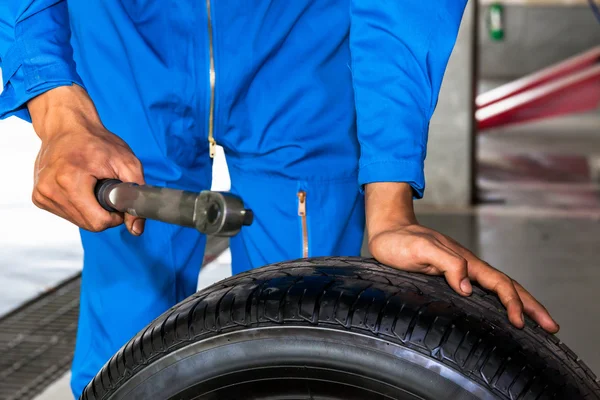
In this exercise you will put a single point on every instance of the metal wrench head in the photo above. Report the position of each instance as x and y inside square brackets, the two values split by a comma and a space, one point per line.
[220, 214]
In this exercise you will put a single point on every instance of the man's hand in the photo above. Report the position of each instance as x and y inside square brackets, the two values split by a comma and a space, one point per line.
[396, 239]
[77, 151]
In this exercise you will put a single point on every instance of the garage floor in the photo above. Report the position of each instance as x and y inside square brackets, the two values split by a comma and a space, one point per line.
[545, 234]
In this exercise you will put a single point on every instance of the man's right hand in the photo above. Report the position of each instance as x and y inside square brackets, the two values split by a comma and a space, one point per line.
[76, 152]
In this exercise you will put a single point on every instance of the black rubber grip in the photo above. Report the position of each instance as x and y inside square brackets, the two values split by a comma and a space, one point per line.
[101, 191]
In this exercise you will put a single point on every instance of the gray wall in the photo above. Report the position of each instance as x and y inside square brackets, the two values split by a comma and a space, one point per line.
[448, 168]
[535, 37]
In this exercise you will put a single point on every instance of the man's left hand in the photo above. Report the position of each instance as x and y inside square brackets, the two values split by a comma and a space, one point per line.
[396, 239]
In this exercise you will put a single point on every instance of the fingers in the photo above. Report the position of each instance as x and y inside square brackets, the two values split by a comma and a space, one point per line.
[422, 252]
[510, 292]
[536, 310]
[48, 204]
[510, 298]
[514, 297]
[451, 264]
[76, 199]
[84, 203]
[135, 225]
[77, 209]
[130, 170]
[494, 280]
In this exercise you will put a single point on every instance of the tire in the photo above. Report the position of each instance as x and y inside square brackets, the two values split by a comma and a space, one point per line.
[340, 328]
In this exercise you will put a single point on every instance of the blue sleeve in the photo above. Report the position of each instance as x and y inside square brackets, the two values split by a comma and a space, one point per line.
[400, 51]
[35, 53]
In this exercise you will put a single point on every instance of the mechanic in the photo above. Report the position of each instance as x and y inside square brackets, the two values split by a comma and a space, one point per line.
[322, 108]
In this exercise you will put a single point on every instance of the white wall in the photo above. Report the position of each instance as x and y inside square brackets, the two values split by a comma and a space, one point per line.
[37, 249]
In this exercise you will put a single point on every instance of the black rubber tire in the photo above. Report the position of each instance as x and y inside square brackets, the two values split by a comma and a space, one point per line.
[340, 328]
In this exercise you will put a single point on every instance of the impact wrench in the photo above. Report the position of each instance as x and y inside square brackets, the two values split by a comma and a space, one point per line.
[212, 213]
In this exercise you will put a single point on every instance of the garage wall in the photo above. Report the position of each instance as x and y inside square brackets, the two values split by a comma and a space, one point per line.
[448, 167]
[536, 36]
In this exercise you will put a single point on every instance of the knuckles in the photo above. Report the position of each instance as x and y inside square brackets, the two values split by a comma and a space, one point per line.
[133, 163]
[43, 189]
[99, 226]
[420, 247]
[506, 281]
[38, 200]
[460, 264]
[64, 178]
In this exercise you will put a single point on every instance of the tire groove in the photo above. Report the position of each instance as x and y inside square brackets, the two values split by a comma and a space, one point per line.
[204, 326]
[231, 309]
[354, 303]
[515, 379]
[413, 322]
[299, 306]
[396, 321]
[317, 307]
[500, 371]
[366, 316]
[447, 332]
[284, 298]
[248, 304]
[336, 308]
[382, 310]
[218, 309]
[462, 340]
[475, 346]
[190, 316]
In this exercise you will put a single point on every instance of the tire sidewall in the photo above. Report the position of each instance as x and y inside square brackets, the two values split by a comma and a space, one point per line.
[398, 368]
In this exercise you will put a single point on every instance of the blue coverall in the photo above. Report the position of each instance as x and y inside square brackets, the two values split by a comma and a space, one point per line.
[319, 96]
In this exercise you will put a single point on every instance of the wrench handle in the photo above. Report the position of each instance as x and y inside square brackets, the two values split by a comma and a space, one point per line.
[212, 213]
[162, 204]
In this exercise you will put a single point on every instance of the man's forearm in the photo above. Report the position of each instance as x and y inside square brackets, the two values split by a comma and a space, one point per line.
[388, 205]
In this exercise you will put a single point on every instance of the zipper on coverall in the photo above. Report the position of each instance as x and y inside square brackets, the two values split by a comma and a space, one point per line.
[212, 74]
[302, 214]
[211, 126]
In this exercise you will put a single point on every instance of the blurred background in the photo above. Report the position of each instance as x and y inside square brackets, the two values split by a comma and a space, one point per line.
[513, 172]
